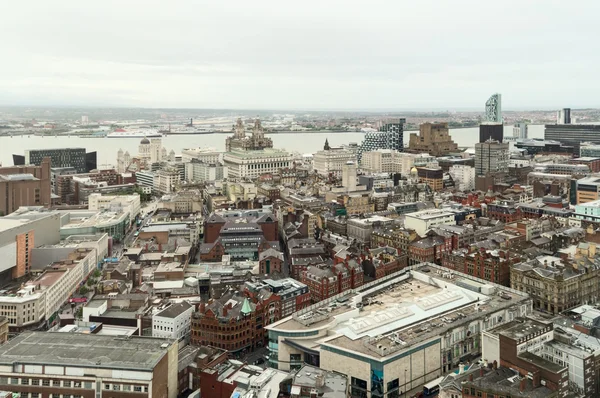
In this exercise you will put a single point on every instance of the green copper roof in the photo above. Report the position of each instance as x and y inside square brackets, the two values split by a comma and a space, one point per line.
[246, 307]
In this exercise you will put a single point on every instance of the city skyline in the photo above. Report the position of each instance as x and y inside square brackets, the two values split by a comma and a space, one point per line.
[267, 56]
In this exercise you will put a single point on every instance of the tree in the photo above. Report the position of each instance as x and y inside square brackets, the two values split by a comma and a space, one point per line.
[83, 290]
[97, 273]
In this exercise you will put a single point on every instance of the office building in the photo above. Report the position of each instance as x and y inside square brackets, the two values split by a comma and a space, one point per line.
[254, 163]
[394, 346]
[47, 364]
[389, 136]
[589, 150]
[422, 221]
[379, 161]
[463, 176]
[556, 285]
[25, 186]
[491, 131]
[199, 171]
[205, 155]
[433, 139]
[520, 131]
[330, 161]
[166, 180]
[60, 157]
[491, 157]
[573, 134]
[240, 142]
[434, 178]
[563, 116]
[535, 146]
[173, 322]
[349, 176]
[593, 163]
[125, 203]
[294, 294]
[493, 109]
[588, 189]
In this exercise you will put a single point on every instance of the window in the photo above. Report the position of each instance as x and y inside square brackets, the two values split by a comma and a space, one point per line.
[3, 380]
[14, 381]
[145, 388]
[107, 386]
[116, 387]
[55, 383]
[35, 395]
[137, 388]
[25, 382]
[86, 384]
[67, 383]
[126, 387]
[35, 382]
[46, 383]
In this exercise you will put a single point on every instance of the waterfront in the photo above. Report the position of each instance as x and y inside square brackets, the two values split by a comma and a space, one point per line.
[297, 142]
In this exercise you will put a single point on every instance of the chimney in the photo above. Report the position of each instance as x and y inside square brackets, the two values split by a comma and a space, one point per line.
[471, 377]
[202, 307]
[536, 379]
[523, 384]
[225, 311]
[481, 372]
[495, 365]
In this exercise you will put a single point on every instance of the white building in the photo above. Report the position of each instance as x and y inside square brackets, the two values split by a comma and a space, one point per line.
[404, 162]
[145, 179]
[349, 176]
[173, 322]
[463, 176]
[206, 155]
[379, 161]
[198, 171]
[252, 164]
[332, 160]
[424, 220]
[129, 203]
[165, 181]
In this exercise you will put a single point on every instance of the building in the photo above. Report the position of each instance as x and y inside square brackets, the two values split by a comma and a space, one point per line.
[432, 177]
[593, 163]
[488, 265]
[25, 186]
[331, 161]
[271, 260]
[491, 157]
[294, 294]
[310, 381]
[433, 139]
[379, 161]
[535, 146]
[389, 136]
[199, 171]
[463, 176]
[59, 157]
[361, 229]
[240, 142]
[491, 131]
[493, 109]
[349, 172]
[202, 155]
[393, 346]
[587, 189]
[563, 116]
[589, 150]
[129, 203]
[520, 131]
[19, 235]
[183, 202]
[166, 180]
[47, 364]
[326, 281]
[520, 345]
[173, 322]
[573, 134]
[424, 220]
[556, 285]
[254, 163]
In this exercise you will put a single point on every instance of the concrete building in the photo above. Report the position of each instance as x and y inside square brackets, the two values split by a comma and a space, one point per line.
[491, 131]
[573, 134]
[46, 364]
[60, 157]
[202, 155]
[491, 157]
[331, 161]
[463, 176]
[173, 322]
[563, 116]
[25, 186]
[434, 178]
[520, 131]
[404, 162]
[589, 150]
[239, 140]
[379, 161]
[166, 180]
[145, 179]
[434, 139]
[389, 136]
[349, 176]
[361, 229]
[393, 346]
[252, 164]
[198, 171]
[424, 220]
[588, 189]
[128, 203]
[555, 285]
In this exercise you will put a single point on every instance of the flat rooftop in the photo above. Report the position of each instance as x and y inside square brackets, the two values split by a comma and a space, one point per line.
[396, 313]
[84, 350]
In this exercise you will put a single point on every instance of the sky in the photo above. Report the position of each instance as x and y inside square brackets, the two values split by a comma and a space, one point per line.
[327, 54]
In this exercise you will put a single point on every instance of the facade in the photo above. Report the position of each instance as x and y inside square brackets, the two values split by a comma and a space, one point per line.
[573, 134]
[491, 131]
[327, 281]
[173, 322]
[383, 348]
[593, 163]
[202, 155]
[424, 220]
[330, 161]
[361, 229]
[198, 171]
[463, 176]
[240, 142]
[254, 163]
[379, 161]
[520, 131]
[493, 109]
[389, 136]
[589, 150]
[166, 180]
[488, 265]
[294, 294]
[60, 157]
[432, 177]
[25, 186]
[145, 179]
[405, 162]
[535, 146]
[53, 364]
[271, 260]
[555, 286]
[491, 157]
[130, 203]
[433, 139]
[588, 189]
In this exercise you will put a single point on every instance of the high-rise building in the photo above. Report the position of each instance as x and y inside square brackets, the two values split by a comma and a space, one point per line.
[433, 139]
[520, 131]
[349, 176]
[239, 141]
[60, 157]
[573, 134]
[563, 116]
[493, 109]
[389, 136]
[24, 186]
[491, 131]
[491, 157]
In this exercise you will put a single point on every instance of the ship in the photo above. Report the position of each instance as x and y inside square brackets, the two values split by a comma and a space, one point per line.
[188, 130]
[121, 133]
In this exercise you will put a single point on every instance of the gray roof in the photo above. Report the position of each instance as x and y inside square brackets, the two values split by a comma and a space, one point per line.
[174, 310]
[84, 350]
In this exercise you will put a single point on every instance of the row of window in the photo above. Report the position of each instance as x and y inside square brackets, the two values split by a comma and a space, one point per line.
[69, 384]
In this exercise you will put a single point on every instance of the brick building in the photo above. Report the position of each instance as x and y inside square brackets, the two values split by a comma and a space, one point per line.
[329, 280]
[25, 186]
[489, 265]
[271, 260]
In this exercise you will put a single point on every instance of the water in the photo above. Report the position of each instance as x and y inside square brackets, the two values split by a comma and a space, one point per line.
[299, 142]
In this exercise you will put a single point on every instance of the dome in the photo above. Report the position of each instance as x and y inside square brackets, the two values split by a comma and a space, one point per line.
[414, 170]
[145, 140]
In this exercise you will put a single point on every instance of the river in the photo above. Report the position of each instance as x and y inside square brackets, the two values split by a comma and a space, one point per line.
[299, 142]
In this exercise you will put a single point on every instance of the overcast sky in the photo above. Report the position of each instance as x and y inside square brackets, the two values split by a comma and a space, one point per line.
[396, 54]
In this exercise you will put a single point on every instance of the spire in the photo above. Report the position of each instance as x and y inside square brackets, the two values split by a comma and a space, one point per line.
[326, 146]
[246, 307]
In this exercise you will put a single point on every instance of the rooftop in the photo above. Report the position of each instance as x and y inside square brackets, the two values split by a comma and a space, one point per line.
[174, 310]
[84, 350]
